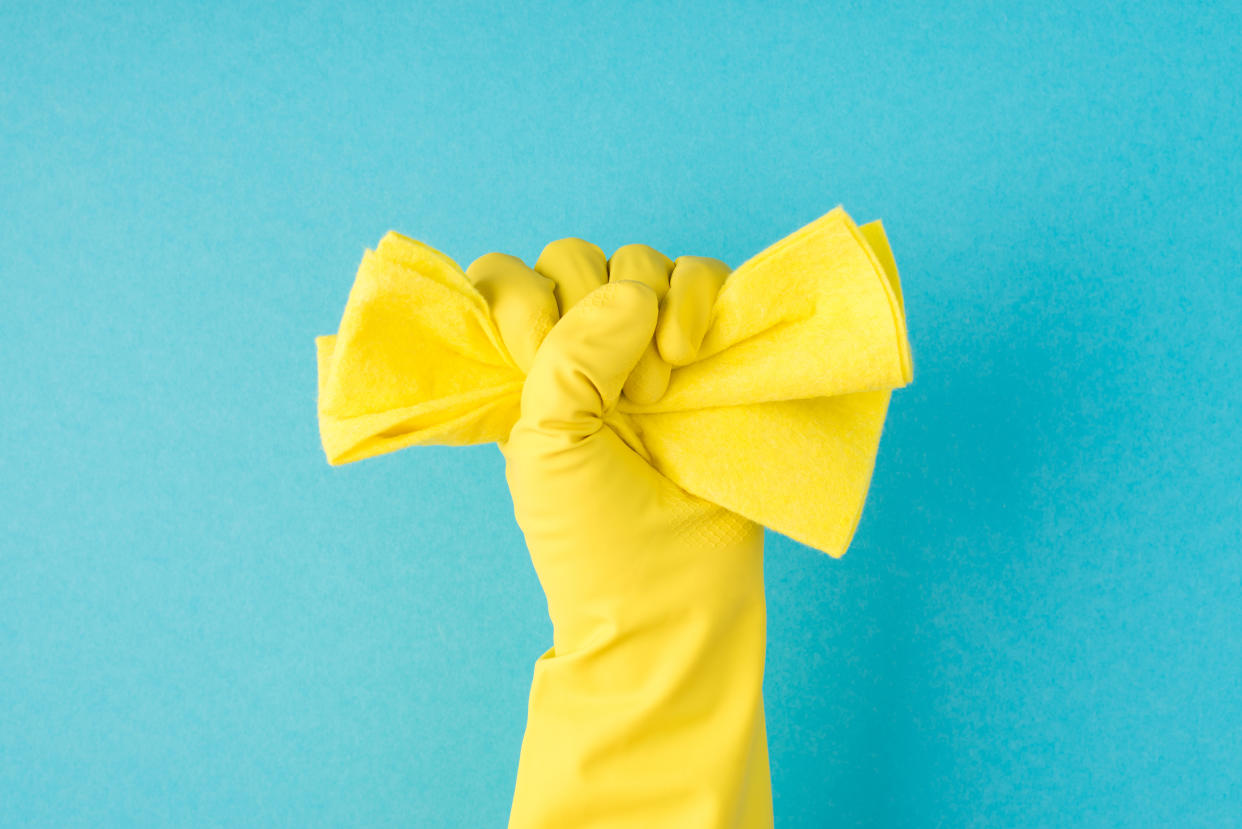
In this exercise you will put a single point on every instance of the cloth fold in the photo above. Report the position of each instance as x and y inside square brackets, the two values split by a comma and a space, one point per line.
[778, 418]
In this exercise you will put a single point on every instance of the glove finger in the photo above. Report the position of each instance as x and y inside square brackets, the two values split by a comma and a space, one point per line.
[579, 370]
[686, 311]
[641, 263]
[576, 266]
[649, 379]
[522, 303]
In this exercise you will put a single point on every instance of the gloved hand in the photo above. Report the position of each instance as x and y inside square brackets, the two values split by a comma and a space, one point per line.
[647, 710]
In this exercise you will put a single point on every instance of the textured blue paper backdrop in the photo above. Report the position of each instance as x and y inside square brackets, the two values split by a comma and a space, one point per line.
[202, 624]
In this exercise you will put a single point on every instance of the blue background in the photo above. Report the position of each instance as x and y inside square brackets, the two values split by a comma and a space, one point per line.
[203, 624]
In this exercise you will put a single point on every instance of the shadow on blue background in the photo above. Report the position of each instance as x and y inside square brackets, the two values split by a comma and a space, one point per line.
[202, 624]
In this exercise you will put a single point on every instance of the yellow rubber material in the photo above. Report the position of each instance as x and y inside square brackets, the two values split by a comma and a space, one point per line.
[647, 711]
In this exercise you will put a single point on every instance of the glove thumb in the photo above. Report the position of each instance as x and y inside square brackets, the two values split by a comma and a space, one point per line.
[581, 366]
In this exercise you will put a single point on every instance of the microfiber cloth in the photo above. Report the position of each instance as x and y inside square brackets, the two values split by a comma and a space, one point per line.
[778, 418]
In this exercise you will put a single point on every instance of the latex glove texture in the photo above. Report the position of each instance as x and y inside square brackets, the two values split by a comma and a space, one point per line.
[647, 710]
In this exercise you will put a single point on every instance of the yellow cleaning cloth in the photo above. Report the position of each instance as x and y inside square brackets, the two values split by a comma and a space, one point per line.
[777, 418]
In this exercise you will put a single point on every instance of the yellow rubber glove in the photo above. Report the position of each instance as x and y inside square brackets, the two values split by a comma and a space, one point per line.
[647, 710]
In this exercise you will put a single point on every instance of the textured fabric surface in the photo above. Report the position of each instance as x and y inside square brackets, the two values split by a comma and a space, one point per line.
[778, 416]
